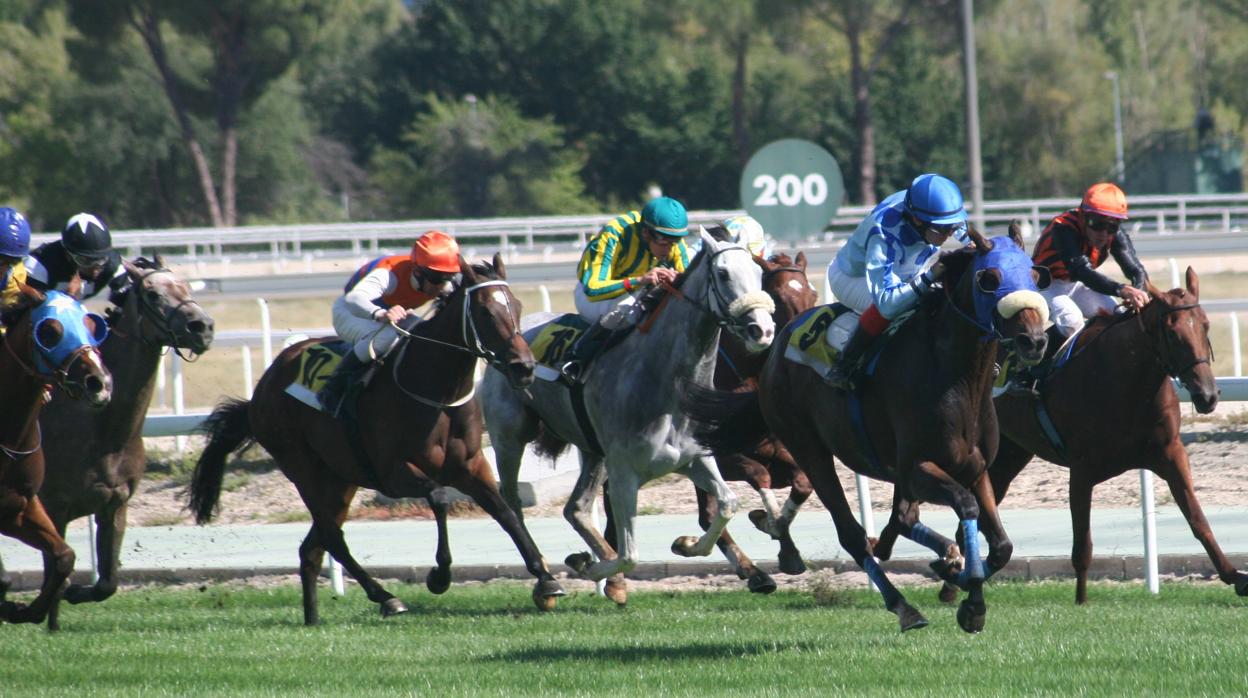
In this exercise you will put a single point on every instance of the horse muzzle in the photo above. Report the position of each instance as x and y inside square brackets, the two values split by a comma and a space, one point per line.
[1030, 349]
[1204, 397]
[758, 332]
[519, 373]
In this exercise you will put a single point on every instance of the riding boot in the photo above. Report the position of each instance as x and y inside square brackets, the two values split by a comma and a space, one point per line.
[335, 388]
[587, 346]
[843, 372]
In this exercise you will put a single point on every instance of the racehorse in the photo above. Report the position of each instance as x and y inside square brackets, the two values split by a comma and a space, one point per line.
[417, 426]
[48, 340]
[1114, 409]
[628, 425]
[96, 458]
[769, 465]
[923, 420]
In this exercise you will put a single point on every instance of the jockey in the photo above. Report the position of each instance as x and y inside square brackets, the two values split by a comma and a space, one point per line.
[384, 292]
[630, 254]
[14, 246]
[879, 272]
[1072, 247]
[747, 232]
[85, 249]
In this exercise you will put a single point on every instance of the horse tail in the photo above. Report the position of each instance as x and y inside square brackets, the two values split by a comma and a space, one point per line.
[549, 444]
[229, 431]
[726, 422]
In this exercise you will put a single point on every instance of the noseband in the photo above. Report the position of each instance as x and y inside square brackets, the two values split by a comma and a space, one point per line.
[729, 314]
[162, 321]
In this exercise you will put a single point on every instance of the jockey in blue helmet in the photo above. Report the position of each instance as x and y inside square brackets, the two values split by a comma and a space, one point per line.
[14, 246]
[879, 273]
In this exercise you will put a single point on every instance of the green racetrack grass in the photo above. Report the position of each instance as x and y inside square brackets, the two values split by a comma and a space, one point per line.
[489, 639]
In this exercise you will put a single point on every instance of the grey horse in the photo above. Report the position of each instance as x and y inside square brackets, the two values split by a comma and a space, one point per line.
[631, 406]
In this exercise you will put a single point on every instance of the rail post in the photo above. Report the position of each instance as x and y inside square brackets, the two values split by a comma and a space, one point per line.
[1148, 508]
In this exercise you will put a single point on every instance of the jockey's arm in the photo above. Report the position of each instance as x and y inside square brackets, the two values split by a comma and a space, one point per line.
[1066, 242]
[893, 295]
[1123, 251]
[364, 297]
[596, 272]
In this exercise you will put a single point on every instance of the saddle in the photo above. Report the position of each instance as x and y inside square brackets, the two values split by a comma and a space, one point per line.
[316, 364]
[822, 332]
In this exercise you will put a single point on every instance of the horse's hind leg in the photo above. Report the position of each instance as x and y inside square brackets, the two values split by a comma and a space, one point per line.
[757, 580]
[929, 482]
[34, 528]
[1081, 529]
[477, 481]
[790, 557]
[578, 512]
[1173, 467]
[439, 578]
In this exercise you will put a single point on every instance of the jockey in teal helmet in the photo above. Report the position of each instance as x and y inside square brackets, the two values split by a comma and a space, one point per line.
[879, 273]
[630, 254]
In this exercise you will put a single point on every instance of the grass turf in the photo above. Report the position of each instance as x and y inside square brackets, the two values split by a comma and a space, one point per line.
[488, 639]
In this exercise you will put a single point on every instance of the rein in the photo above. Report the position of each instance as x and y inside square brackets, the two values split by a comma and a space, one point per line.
[727, 314]
[59, 377]
[1165, 340]
[163, 321]
[991, 331]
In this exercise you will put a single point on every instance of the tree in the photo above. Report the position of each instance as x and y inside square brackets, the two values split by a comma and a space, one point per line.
[248, 44]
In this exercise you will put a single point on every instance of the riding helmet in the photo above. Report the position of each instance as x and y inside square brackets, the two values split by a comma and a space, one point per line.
[437, 251]
[935, 199]
[87, 236]
[747, 232]
[666, 216]
[1106, 199]
[14, 233]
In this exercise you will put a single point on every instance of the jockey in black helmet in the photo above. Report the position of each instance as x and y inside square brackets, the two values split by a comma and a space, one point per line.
[85, 248]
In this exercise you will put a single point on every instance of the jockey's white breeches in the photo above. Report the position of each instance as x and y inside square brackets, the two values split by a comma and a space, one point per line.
[613, 313]
[850, 290]
[1070, 303]
[363, 332]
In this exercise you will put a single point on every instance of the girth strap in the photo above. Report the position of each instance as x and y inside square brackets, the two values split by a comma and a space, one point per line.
[577, 393]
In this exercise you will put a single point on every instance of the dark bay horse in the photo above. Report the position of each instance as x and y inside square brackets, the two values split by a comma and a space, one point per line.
[1115, 409]
[48, 340]
[418, 427]
[769, 466]
[926, 412]
[95, 457]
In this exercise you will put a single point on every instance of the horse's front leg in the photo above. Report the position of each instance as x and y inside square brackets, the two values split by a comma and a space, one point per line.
[623, 495]
[579, 513]
[34, 528]
[930, 482]
[1000, 547]
[439, 578]
[706, 477]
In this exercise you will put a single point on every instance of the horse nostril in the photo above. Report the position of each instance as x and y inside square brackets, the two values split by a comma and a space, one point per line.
[755, 332]
[94, 385]
[196, 326]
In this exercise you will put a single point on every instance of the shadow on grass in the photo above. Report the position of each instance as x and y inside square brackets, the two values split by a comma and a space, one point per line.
[651, 653]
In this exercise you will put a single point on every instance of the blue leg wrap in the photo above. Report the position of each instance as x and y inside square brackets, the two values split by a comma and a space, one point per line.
[876, 574]
[974, 566]
[928, 538]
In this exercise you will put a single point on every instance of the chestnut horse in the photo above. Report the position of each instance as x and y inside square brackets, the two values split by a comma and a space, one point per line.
[926, 411]
[1114, 409]
[769, 466]
[418, 426]
[48, 340]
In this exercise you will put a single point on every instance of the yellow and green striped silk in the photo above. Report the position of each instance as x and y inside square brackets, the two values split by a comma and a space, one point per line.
[617, 253]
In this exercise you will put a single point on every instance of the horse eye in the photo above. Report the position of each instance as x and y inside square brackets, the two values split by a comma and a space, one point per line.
[723, 273]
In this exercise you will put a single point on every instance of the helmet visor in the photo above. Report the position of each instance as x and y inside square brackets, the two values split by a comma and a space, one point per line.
[83, 261]
[1103, 223]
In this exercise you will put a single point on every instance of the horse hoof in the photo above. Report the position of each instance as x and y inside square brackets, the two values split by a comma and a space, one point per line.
[909, 618]
[758, 517]
[546, 594]
[1241, 586]
[761, 583]
[791, 563]
[948, 593]
[5, 585]
[438, 580]
[684, 545]
[617, 591]
[392, 607]
[579, 562]
[11, 612]
[971, 616]
[78, 593]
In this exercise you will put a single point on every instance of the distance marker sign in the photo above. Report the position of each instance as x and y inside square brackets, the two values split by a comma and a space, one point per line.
[793, 187]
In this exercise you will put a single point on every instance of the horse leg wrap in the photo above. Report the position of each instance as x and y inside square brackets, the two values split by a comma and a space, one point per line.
[974, 566]
[876, 574]
[928, 538]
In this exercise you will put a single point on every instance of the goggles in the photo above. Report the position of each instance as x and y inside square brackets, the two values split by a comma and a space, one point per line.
[1102, 223]
[84, 262]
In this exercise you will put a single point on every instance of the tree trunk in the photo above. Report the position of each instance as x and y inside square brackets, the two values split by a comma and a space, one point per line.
[148, 27]
[860, 83]
[740, 129]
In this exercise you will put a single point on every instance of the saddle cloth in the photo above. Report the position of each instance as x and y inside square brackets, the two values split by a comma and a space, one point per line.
[553, 342]
[819, 335]
[316, 364]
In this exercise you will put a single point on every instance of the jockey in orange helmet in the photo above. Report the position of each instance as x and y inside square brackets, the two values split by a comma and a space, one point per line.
[382, 293]
[1072, 247]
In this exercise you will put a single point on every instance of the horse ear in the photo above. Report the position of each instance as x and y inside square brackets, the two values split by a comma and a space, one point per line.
[1016, 233]
[466, 270]
[498, 265]
[982, 245]
[75, 286]
[1193, 283]
[708, 241]
[1153, 292]
[131, 268]
[1042, 276]
[800, 262]
[159, 260]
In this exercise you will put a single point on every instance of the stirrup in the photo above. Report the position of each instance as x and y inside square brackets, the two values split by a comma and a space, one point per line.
[840, 379]
[1027, 389]
[572, 370]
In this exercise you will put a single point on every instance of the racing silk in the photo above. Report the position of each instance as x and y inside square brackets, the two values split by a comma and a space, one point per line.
[1065, 249]
[615, 260]
[49, 268]
[11, 277]
[889, 253]
[382, 283]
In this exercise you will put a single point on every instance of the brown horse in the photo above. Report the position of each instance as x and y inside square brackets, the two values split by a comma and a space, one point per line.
[769, 466]
[96, 458]
[926, 412]
[48, 340]
[1114, 409]
[417, 426]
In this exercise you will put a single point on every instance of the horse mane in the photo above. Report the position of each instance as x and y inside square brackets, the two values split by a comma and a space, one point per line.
[781, 259]
[1097, 325]
[956, 263]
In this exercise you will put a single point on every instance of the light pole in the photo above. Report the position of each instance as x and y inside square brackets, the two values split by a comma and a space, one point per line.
[975, 163]
[1112, 75]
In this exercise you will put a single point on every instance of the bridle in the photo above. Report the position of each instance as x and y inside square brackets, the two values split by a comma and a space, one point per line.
[729, 314]
[1164, 353]
[991, 330]
[162, 321]
[472, 343]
